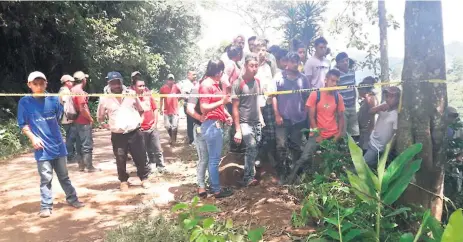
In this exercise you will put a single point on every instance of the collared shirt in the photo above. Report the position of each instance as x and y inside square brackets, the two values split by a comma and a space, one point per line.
[62, 99]
[208, 87]
[123, 115]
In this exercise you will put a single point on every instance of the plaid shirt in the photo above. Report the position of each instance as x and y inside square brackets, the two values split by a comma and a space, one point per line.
[268, 132]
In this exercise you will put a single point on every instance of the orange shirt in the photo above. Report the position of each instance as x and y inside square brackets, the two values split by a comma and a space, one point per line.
[170, 103]
[326, 112]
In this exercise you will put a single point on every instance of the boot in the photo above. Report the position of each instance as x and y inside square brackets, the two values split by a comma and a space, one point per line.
[81, 165]
[88, 160]
[174, 136]
[169, 131]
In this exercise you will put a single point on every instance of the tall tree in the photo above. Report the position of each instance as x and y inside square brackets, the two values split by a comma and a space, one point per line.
[422, 118]
[383, 47]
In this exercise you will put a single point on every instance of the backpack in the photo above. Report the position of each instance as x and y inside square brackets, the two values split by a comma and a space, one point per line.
[69, 109]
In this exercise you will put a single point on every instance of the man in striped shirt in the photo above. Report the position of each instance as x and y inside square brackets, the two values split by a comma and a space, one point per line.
[349, 96]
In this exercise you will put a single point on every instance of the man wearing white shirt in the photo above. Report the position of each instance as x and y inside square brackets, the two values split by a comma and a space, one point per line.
[185, 87]
[317, 66]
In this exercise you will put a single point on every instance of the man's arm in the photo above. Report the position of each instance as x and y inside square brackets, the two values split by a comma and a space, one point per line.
[342, 122]
[161, 102]
[101, 111]
[236, 114]
[278, 118]
[379, 108]
[190, 110]
[24, 126]
[308, 72]
[83, 108]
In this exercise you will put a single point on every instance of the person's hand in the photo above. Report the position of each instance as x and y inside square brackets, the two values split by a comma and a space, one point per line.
[37, 143]
[161, 112]
[226, 99]
[202, 119]
[384, 107]
[105, 125]
[229, 120]
[238, 137]
[337, 137]
[262, 123]
[278, 119]
[318, 139]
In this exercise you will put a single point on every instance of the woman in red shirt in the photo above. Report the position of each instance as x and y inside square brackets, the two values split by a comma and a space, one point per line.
[213, 109]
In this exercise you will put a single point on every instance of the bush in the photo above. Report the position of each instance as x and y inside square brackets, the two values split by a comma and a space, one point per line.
[157, 229]
[12, 141]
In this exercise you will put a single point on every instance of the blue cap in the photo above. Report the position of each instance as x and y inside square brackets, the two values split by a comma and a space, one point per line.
[113, 75]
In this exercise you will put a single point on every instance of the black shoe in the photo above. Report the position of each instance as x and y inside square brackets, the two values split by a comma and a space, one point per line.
[77, 204]
[225, 192]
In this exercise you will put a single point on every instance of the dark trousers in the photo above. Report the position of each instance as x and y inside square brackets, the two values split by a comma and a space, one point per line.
[189, 127]
[121, 143]
[153, 147]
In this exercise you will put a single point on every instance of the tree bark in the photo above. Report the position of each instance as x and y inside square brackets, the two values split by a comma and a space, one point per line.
[384, 58]
[422, 118]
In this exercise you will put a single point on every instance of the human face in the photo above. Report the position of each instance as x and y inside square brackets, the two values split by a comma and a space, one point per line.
[251, 67]
[140, 87]
[301, 53]
[192, 76]
[239, 41]
[69, 84]
[38, 85]
[391, 99]
[252, 45]
[291, 66]
[331, 81]
[343, 64]
[320, 50]
[261, 52]
[282, 63]
[170, 82]
[115, 85]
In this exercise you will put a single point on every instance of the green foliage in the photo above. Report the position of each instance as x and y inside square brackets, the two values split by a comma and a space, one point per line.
[157, 229]
[453, 231]
[206, 229]
[12, 141]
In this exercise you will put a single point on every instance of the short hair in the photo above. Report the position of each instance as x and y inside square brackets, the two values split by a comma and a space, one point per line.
[293, 57]
[333, 72]
[261, 42]
[234, 51]
[320, 40]
[135, 80]
[281, 53]
[252, 38]
[251, 57]
[274, 49]
[341, 56]
[369, 80]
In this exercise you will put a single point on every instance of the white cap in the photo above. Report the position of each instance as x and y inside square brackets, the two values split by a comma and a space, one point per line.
[66, 78]
[35, 75]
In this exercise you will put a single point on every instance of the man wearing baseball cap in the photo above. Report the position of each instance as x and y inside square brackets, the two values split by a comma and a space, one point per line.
[123, 114]
[84, 122]
[67, 82]
[385, 126]
[170, 110]
[38, 118]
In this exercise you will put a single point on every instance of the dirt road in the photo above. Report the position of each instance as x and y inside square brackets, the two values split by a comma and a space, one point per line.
[106, 207]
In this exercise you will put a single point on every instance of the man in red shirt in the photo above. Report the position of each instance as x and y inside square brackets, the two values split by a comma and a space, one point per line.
[170, 107]
[83, 123]
[148, 126]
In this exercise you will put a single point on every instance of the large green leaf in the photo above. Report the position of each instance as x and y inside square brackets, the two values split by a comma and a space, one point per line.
[424, 224]
[399, 185]
[408, 237]
[179, 206]
[194, 201]
[436, 228]
[207, 208]
[397, 165]
[398, 211]
[382, 163]
[256, 235]
[454, 230]
[361, 167]
[208, 223]
[195, 234]
[360, 188]
[352, 234]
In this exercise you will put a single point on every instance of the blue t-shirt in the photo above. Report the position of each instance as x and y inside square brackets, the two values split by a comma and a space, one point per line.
[43, 115]
[292, 106]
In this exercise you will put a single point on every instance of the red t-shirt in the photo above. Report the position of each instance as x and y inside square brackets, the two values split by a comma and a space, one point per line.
[78, 102]
[170, 103]
[149, 105]
[207, 87]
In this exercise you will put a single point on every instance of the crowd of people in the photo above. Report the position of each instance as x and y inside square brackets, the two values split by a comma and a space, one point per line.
[266, 128]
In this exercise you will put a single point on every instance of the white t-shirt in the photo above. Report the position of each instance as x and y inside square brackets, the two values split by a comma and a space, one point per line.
[316, 69]
[186, 86]
[264, 74]
[385, 127]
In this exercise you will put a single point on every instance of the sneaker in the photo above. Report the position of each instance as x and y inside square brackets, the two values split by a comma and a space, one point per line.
[93, 169]
[124, 186]
[225, 192]
[81, 167]
[161, 169]
[257, 164]
[145, 184]
[77, 204]
[45, 213]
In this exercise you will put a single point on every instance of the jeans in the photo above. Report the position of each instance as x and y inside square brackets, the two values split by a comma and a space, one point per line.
[372, 155]
[71, 141]
[171, 121]
[351, 123]
[203, 156]
[45, 169]
[83, 133]
[309, 148]
[252, 135]
[189, 127]
[288, 138]
[212, 131]
[153, 147]
[121, 144]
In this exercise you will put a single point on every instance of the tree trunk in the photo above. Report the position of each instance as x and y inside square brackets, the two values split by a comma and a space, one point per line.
[422, 118]
[384, 58]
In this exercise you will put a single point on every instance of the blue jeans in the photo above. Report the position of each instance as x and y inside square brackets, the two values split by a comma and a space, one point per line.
[45, 169]
[212, 131]
[71, 141]
[203, 156]
[288, 139]
[372, 155]
[83, 133]
[252, 135]
[171, 121]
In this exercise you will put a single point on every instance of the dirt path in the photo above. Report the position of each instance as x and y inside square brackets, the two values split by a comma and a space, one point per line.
[264, 205]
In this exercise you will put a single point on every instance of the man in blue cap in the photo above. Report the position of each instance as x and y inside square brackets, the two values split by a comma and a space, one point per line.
[124, 122]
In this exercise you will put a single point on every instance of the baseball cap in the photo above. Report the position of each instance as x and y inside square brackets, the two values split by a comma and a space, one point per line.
[171, 76]
[114, 75]
[135, 73]
[36, 75]
[392, 90]
[66, 78]
[80, 75]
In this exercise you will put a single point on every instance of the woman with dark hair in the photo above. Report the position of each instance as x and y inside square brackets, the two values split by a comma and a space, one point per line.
[366, 119]
[215, 115]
